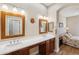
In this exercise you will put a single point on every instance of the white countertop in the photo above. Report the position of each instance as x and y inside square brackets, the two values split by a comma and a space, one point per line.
[23, 42]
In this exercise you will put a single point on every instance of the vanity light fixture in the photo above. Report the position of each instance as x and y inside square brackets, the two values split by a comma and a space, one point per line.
[15, 9]
[44, 17]
[40, 17]
[23, 12]
[49, 19]
[4, 7]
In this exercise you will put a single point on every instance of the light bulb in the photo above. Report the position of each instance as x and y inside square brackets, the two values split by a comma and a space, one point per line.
[4, 6]
[23, 12]
[40, 17]
[15, 9]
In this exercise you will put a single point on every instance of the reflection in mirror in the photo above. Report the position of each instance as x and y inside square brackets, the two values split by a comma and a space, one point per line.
[13, 25]
[42, 26]
[51, 26]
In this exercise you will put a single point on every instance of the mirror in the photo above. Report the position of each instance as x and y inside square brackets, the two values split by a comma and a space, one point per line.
[13, 25]
[42, 26]
[51, 26]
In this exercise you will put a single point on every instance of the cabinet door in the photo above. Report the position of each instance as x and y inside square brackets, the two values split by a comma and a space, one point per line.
[13, 53]
[48, 47]
[24, 51]
[52, 45]
[44, 48]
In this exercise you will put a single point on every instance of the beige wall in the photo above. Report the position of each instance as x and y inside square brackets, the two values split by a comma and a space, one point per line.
[73, 24]
[0, 25]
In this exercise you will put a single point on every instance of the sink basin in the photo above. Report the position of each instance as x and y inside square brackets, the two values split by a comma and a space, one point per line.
[2, 47]
[13, 43]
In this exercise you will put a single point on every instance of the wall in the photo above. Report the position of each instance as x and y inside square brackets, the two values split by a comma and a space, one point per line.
[0, 25]
[33, 10]
[72, 24]
[62, 29]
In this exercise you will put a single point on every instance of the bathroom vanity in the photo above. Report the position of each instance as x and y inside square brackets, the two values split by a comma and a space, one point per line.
[45, 48]
[45, 44]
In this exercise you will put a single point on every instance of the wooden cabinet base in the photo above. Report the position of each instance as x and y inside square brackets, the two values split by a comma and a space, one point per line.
[46, 47]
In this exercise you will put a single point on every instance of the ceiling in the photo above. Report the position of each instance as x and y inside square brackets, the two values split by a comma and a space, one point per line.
[47, 5]
[69, 11]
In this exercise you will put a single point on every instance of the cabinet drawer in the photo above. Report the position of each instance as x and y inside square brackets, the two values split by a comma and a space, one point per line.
[24, 51]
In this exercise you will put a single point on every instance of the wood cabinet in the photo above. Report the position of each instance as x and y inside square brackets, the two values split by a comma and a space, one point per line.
[42, 48]
[24, 51]
[52, 45]
[46, 47]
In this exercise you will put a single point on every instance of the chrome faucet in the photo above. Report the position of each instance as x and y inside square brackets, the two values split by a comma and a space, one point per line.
[14, 42]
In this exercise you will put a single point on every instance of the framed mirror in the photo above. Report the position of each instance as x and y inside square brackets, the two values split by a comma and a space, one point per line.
[12, 25]
[50, 26]
[43, 26]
